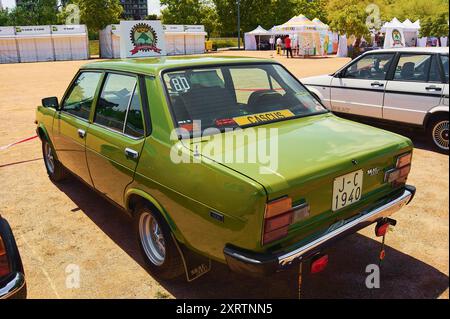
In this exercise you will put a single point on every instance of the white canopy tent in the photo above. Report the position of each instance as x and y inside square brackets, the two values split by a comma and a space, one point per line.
[8, 45]
[174, 39]
[180, 39]
[305, 33]
[70, 42]
[35, 43]
[394, 34]
[250, 37]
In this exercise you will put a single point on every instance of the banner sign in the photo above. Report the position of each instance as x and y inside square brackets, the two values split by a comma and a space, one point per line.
[68, 29]
[33, 30]
[141, 39]
[173, 28]
[194, 28]
[7, 31]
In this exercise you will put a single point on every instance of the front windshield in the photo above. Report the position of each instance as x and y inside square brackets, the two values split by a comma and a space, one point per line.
[236, 96]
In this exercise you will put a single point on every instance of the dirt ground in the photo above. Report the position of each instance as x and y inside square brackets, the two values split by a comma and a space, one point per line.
[58, 226]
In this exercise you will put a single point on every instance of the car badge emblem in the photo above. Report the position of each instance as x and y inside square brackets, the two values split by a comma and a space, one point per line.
[354, 162]
[373, 171]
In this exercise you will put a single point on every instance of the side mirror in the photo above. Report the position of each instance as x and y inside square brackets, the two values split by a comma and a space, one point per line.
[51, 102]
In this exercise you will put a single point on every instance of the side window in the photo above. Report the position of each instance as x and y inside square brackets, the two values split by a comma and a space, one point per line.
[79, 100]
[444, 60]
[134, 126]
[114, 101]
[370, 67]
[413, 67]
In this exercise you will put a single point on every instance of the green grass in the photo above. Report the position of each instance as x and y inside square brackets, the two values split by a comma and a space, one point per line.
[94, 47]
[224, 42]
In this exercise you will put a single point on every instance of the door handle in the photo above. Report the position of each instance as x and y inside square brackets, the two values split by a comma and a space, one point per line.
[433, 88]
[131, 153]
[81, 133]
[377, 84]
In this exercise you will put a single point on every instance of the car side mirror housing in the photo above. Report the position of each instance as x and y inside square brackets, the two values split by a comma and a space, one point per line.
[51, 102]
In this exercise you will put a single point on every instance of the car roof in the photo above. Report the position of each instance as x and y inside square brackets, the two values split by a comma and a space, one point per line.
[442, 50]
[152, 66]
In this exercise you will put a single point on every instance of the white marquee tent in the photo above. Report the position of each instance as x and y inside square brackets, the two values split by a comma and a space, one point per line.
[250, 37]
[400, 34]
[180, 39]
[8, 45]
[174, 39]
[35, 43]
[70, 42]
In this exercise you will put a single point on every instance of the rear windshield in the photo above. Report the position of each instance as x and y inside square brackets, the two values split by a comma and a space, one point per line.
[236, 96]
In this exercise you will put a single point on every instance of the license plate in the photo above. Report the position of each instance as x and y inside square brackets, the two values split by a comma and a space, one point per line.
[347, 190]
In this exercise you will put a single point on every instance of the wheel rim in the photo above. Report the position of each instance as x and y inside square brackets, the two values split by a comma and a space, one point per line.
[440, 134]
[49, 158]
[152, 239]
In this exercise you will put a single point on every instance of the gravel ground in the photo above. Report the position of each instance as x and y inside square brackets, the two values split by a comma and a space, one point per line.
[59, 226]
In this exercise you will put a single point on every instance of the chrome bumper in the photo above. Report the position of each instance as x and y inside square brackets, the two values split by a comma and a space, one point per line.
[14, 286]
[257, 263]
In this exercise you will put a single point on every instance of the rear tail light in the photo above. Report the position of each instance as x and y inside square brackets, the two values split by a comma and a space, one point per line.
[381, 229]
[279, 216]
[319, 263]
[399, 174]
[4, 263]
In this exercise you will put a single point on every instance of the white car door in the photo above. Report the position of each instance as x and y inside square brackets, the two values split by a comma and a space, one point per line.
[415, 88]
[359, 88]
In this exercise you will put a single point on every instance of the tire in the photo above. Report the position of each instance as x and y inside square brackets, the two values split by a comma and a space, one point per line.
[437, 132]
[165, 263]
[56, 172]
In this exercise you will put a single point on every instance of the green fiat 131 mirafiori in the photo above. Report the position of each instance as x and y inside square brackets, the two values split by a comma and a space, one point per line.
[226, 159]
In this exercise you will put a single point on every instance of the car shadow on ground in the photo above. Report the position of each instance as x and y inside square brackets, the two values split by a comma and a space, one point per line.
[402, 276]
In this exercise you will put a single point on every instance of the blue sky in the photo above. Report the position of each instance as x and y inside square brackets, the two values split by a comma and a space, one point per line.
[153, 5]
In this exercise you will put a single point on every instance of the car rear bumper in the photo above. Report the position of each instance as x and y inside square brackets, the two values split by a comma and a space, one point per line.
[248, 262]
[13, 286]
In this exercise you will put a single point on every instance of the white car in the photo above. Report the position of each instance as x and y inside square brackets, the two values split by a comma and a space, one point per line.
[407, 85]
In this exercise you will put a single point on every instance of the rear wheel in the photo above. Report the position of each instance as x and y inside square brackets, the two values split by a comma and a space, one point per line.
[55, 170]
[438, 133]
[157, 244]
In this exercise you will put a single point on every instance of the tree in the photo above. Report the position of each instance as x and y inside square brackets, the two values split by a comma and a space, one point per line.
[4, 17]
[96, 14]
[436, 26]
[190, 12]
[34, 12]
[312, 9]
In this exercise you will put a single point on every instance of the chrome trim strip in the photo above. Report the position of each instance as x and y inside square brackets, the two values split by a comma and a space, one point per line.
[377, 213]
[13, 286]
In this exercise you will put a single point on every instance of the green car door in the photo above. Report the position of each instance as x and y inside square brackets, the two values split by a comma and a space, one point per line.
[116, 135]
[72, 122]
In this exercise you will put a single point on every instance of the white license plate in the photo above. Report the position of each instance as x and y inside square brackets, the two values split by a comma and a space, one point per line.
[347, 190]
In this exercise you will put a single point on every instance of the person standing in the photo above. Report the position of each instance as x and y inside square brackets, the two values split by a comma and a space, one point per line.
[271, 42]
[288, 46]
[279, 44]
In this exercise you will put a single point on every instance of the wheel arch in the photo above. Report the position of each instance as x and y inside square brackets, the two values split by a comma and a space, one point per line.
[435, 112]
[135, 196]
[42, 133]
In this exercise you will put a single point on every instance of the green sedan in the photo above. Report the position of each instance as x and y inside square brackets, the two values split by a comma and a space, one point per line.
[225, 159]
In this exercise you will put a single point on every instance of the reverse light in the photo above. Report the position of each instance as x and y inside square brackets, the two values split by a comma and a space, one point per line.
[4, 263]
[279, 216]
[319, 263]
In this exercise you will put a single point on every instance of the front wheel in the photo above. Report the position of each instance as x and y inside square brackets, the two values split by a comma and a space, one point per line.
[157, 244]
[55, 170]
[438, 133]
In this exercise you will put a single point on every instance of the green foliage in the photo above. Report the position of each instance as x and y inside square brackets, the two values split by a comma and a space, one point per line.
[34, 12]
[436, 26]
[96, 14]
[348, 17]
[190, 12]
[4, 17]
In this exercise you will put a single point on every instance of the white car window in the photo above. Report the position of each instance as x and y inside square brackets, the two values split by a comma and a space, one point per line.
[415, 67]
[370, 67]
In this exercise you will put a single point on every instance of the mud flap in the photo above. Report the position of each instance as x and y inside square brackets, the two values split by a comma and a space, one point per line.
[195, 265]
